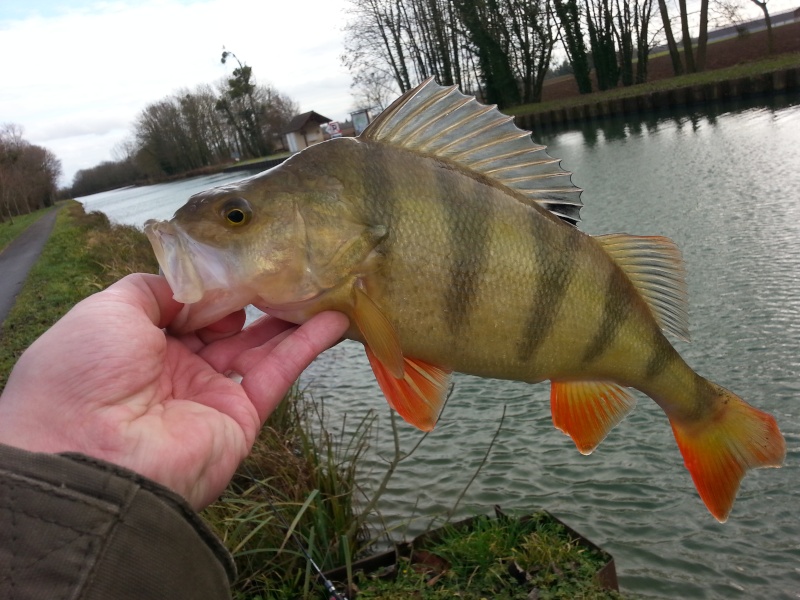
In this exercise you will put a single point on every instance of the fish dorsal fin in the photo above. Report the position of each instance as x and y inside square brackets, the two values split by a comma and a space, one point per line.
[655, 266]
[442, 122]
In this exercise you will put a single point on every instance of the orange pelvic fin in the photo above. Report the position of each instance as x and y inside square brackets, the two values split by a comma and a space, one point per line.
[419, 395]
[587, 410]
[719, 451]
[378, 333]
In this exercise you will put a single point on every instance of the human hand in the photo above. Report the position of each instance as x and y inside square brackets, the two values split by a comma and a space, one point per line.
[108, 382]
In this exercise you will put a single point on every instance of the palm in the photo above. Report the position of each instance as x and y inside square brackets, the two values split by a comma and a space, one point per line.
[159, 405]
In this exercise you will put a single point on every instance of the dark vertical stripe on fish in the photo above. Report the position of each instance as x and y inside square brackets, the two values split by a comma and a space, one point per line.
[380, 205]
[468, 241]
[615, 311]
[554, 262]
[660, 356]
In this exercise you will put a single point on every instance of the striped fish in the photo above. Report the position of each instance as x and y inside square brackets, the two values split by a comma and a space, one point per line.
[449, 239]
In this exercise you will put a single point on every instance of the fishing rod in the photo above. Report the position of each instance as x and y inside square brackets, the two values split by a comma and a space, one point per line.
[329, 587]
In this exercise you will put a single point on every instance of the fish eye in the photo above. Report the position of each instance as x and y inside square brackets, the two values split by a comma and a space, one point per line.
[237, 212]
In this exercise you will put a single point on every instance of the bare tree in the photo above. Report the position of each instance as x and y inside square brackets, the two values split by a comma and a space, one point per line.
[768, 22]
[600, 24]
[702, 37]
[28, 174]
[570, 30]
[374, 40]
[531, 37]
[373, 90]
[641, 24]
[239, 104]
[694, 63]
[488, 35]
[677, 65]
[107, 175]
[688, 53]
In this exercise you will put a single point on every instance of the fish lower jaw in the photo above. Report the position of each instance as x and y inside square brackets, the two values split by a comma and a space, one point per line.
[297, 315]
[299, 311]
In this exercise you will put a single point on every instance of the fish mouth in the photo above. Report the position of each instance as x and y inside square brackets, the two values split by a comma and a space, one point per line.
[175, 253]
[200, 277]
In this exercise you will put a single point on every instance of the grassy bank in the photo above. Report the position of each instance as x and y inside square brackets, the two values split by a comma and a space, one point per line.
[751, 69]
[84, 254]
[296, 491]
[11, 229]
[504, 558]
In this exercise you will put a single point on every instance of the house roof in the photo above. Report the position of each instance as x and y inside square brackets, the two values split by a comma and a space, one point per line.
[300, 121]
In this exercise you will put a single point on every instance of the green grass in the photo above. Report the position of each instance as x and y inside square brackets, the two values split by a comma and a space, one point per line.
[297, 487]
[503, 559]
[9, 230]
[750, 69]
[84, 254]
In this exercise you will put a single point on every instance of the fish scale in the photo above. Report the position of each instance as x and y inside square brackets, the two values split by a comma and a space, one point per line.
[448, 238]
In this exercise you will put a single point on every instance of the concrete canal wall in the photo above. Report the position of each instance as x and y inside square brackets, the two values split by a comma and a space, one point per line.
[787, 80]
[255, 166]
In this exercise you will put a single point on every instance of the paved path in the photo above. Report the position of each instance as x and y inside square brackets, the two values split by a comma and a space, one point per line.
[18, 258]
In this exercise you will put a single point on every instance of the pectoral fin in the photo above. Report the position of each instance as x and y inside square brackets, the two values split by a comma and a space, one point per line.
[419, 395]
[587, 410]
[379, 335]
[414, 388]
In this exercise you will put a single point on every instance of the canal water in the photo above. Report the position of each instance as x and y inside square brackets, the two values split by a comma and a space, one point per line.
[725, 185]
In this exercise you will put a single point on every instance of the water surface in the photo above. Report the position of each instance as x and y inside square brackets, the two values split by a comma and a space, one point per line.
[725, 186]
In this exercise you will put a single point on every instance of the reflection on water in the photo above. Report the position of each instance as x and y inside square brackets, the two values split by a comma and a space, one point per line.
[726, 187]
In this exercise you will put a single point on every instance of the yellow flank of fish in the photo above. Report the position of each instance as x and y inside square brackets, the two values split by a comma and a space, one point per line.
[449, 239]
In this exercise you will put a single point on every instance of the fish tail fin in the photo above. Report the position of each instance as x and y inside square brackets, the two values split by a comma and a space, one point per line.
[720, 449]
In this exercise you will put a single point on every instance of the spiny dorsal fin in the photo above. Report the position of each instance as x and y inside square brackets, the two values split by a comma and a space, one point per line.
[655, 266]
[443, 122]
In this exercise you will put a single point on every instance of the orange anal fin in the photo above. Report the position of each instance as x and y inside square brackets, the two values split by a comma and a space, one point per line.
[718, 452]
[587, 410]
[419, 395]
[378, 332]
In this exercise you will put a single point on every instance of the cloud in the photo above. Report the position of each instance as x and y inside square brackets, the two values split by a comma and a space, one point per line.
[76, 77]
[87, 124]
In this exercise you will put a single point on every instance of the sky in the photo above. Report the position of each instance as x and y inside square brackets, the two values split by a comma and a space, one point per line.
[76, 73]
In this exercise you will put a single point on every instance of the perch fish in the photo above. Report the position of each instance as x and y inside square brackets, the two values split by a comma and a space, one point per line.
[450, 241]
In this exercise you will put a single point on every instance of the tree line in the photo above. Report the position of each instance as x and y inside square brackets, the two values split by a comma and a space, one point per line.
[28, 174]
[501, 50]
[192, 129]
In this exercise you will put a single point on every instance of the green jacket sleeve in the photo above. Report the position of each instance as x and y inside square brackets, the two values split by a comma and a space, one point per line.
[72, 527]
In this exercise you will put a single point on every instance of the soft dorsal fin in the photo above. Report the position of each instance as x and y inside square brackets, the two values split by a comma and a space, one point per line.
[655, 266]
[443, 122]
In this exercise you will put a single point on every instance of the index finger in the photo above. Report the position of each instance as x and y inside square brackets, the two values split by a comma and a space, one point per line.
[269, 371]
